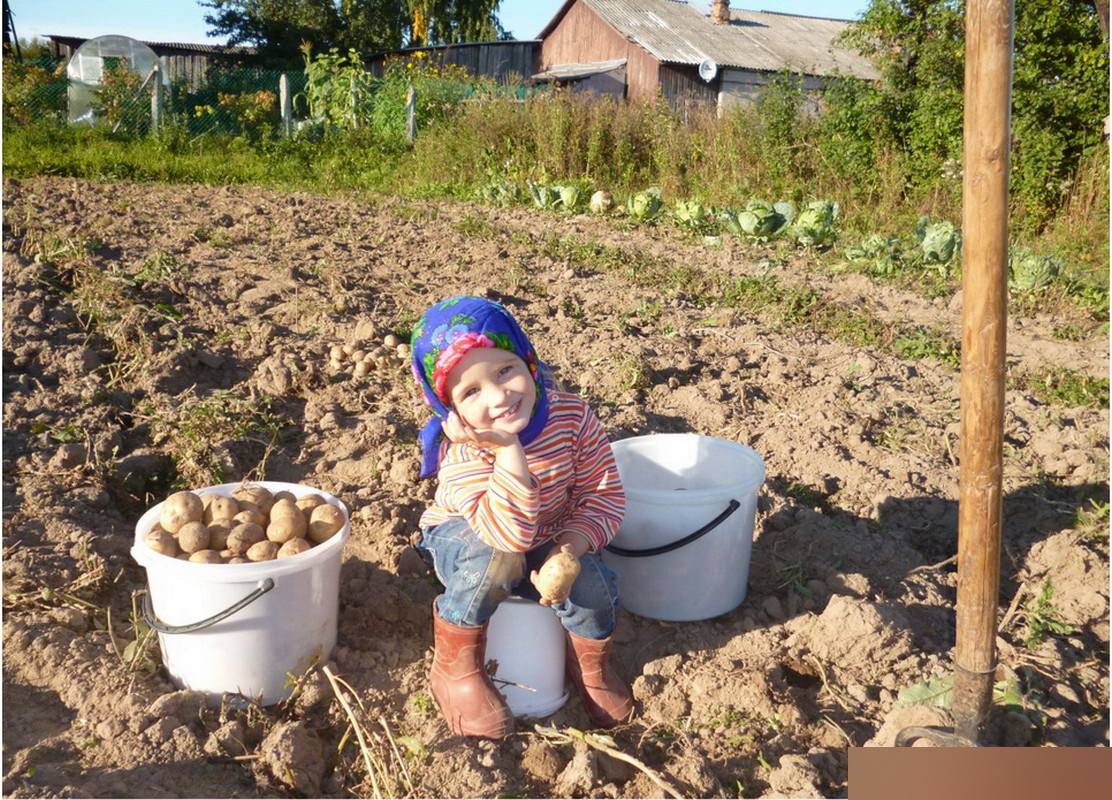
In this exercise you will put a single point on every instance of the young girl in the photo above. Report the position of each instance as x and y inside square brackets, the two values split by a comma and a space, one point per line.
[525, 471]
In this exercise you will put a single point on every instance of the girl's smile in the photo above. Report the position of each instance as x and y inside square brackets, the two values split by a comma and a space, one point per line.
[492, 389]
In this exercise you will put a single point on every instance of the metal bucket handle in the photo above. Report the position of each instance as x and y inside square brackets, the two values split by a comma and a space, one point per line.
[691, 537]
[160, 626]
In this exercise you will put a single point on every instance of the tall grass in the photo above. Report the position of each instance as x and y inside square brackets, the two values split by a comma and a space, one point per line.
[770, 151]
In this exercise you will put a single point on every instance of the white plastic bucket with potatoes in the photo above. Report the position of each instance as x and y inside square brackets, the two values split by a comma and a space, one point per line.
[682, 552]
[244, 628]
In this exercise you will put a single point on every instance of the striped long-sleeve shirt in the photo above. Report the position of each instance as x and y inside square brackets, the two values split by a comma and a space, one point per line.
[574, 484]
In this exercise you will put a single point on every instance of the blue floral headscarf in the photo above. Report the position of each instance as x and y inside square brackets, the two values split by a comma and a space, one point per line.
[442, 337]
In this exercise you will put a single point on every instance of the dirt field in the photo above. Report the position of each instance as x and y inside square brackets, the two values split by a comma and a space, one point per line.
[161, 333]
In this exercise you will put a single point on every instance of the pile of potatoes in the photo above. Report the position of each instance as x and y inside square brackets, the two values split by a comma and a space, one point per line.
[251, 525]
[361, 357]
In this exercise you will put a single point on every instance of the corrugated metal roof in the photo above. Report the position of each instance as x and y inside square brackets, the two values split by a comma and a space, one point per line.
[676, 32]
[564, 72]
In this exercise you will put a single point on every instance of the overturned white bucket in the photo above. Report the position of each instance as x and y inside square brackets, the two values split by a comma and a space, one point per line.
[243, 628]
[682, 553]
[527, 642]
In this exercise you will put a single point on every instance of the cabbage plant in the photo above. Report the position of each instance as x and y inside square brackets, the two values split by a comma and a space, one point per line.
[938, 242]
[570, 196]
[690, 213]
[544, 196]
[644, 206]
[1028, 272]
[815, 224]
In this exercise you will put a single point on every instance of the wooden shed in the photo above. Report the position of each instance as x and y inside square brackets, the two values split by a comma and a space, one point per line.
[498, 60]
[672, 49]
[181, 60]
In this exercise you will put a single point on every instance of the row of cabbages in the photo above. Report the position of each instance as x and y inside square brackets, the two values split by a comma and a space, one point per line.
[933, 245]
[812, 226]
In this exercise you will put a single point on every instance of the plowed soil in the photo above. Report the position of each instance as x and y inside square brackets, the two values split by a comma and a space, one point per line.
[162, 336]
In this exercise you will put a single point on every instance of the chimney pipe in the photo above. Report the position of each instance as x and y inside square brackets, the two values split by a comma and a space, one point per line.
[720, 12]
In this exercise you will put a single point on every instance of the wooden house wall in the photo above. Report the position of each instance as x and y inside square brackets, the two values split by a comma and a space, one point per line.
[682, 88]
[743, 87]
[497, 60]
[582, 36]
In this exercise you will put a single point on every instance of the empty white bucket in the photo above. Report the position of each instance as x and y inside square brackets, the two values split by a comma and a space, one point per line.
[682, 553]
[527, 641]
[287, 622]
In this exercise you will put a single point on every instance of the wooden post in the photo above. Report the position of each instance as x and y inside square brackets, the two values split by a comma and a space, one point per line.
[988, 82]
[156, 99]
[286, 104]
[410, 115]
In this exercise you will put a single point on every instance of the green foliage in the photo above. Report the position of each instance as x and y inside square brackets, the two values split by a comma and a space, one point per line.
[814, 226]
[644, 206]
[939, 691]
[1059, 93]
[1042, 618]
[338, 89]
[118, 102]
[923, 342]
[1062, 386]
[1028, 272]
[34, 90]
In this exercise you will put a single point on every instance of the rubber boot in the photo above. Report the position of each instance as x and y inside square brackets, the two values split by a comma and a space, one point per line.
[606, 697]
[460, 684]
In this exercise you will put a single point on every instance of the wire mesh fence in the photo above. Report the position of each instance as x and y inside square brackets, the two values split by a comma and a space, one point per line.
[229, 100]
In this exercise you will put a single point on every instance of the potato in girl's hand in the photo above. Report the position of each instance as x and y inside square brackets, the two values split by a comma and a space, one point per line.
[556, 576]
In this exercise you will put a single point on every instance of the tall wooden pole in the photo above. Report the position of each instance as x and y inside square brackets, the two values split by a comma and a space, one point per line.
[988, 85]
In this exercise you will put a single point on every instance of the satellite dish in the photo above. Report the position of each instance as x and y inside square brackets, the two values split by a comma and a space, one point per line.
[85, 71]
[707, 70]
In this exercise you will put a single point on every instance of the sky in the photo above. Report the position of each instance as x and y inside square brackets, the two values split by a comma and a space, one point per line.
[183, 20]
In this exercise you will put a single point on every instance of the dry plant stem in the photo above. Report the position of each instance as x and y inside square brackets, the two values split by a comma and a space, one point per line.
[112, 634]
[604, 743]
[826, 685]
[397, 755]
[928, 567]
[332, 679]
[1022, 590]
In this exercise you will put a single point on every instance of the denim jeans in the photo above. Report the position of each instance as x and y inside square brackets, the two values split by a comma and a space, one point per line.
[477, 578]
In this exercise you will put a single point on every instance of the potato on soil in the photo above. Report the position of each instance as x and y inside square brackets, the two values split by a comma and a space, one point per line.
[206, 557]
[180, 508]
[193, 537]
[390, 340]
[220, 508]
[243, 536]
[555, 577]
[282, 529]
[218, 533]
[263, 551]
[325, 520]
[309, 502]
[293, 547]
[161, 542]
[250, 515]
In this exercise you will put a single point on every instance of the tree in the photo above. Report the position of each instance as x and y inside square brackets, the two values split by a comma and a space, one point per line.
[278, 27]
[1059, 94]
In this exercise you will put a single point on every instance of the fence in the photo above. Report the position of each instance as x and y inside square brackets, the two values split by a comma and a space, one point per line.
[232, 100]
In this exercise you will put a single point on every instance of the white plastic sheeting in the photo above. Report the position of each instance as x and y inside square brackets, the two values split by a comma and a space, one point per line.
[87, 64]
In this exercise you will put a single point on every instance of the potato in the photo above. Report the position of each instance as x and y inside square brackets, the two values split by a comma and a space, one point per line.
[293, 547]
[182, 556]
[180, 508]
[281, 529]
[336, 353]
[206, 557]
[402, 351]
[218, 533]
[284, 508]
[309, 502]
[258, 496]
[358, 355]
[556, 576]
[284, 495]
[161, 542]
[250, 515]
[263, 551]
[361, 369]
[391, 340]
[226, 553]
[324, 521]
[238, 560]
[220, 508]
[193, 536]
[243, 536]
[347, 349]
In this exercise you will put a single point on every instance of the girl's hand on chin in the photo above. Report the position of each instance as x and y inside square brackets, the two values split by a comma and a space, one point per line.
[460, 432]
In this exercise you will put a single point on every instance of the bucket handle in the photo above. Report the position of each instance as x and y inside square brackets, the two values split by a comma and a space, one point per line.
[162, 627]
[667, 548]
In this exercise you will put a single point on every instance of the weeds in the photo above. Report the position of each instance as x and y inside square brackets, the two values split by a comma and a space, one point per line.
[1062, 386]
[1042, 619]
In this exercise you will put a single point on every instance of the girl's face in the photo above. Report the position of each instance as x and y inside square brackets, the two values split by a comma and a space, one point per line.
[491, 389]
